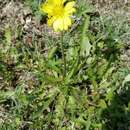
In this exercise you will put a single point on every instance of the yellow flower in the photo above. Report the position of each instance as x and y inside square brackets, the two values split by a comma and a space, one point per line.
[59, 13]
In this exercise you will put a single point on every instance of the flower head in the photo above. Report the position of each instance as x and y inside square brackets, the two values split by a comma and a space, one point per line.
[59, 13]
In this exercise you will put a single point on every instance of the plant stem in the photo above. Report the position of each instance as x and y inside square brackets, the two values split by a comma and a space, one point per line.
[63, 54]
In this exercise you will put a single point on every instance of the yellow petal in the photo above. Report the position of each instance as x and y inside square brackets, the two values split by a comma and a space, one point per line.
[47, 8]
[57, 2]
[51, 21]
[58, 25]
[69, 8]
[67, 23]
[62, 24]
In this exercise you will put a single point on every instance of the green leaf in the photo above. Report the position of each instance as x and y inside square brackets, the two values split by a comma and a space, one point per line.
[102, 104]
[6, 95]
[88, 123]
[85, 42]
[84, 8]
[8, 35]
[52, 52]
[85, 46]
[127, 79]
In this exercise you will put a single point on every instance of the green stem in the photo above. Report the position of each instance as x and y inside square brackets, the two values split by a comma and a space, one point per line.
[63, 55]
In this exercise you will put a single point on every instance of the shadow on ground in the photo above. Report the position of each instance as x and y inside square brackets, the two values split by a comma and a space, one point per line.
[117, 114]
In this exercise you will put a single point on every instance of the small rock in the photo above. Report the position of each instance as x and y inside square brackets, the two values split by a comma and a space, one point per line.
[28, 20]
